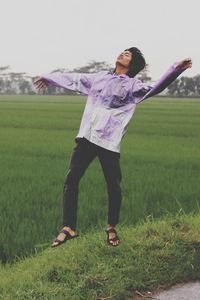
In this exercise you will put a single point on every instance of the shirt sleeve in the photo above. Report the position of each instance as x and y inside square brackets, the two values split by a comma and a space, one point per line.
[72, 81]
[142, 91]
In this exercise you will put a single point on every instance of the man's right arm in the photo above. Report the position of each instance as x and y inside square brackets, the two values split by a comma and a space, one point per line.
[72, 81]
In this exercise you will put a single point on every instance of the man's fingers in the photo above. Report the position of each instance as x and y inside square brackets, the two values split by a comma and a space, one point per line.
[40, 84]
[185, 63]
[188, 59]
[38, 80]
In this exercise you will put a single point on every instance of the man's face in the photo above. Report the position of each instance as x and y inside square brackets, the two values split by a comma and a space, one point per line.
[124, 58]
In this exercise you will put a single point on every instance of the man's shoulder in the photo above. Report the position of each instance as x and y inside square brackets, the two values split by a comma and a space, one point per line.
[102, 75]
[104, 72]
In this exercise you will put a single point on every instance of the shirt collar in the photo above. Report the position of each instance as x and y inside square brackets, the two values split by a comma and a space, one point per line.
[117, 75]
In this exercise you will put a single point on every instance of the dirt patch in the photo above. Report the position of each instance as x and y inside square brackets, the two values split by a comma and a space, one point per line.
[182, 291]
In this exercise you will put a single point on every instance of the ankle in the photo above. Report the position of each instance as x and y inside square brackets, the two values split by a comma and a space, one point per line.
[68, 229]
[110, 226]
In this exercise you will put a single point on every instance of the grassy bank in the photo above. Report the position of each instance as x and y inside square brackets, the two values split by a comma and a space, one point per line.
[159, 161]
[153, 254]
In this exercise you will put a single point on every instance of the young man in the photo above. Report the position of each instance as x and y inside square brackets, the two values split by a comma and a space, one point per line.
[111, 102]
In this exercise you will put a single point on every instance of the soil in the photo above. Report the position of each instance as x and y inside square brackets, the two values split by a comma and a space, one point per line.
[182, 291]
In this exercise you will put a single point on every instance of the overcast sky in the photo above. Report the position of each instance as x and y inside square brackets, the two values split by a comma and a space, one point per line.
[38, 36]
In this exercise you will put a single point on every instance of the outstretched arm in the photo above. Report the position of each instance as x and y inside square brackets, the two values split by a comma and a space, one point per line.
[71, 81]
[172, 73]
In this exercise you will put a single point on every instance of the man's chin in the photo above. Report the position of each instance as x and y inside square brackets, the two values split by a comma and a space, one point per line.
[120, 64]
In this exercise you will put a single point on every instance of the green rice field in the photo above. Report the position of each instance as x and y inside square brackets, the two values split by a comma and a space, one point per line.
[159, 161]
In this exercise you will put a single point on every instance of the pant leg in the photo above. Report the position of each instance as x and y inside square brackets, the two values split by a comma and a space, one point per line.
[110, 162]
[83, 154]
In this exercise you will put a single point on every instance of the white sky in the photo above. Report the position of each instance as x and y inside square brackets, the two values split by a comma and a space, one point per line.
[42, 35]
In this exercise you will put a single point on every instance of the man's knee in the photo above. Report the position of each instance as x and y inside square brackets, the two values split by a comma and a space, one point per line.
[72, 177]
[113, 187]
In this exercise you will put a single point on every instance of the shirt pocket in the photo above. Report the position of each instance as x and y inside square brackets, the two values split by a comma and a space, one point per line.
[120, 92]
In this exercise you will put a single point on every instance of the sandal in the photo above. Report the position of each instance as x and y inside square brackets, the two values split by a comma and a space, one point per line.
[67, 237]
[116, 238]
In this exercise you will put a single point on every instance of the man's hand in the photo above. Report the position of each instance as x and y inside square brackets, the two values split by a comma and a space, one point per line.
[41, 84]
[184, 64]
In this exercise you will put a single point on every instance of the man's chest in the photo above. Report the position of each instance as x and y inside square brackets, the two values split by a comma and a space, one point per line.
[112, 92]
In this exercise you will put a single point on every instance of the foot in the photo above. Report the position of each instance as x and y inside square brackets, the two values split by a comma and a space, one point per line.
[112, 237]
[65, 234]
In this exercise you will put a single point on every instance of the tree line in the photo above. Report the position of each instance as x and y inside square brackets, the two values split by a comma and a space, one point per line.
[21, 83]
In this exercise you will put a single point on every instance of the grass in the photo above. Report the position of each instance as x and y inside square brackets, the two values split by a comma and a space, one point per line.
[154, 254]
[159, 161]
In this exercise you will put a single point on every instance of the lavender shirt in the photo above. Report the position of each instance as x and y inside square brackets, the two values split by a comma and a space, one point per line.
[111, 101]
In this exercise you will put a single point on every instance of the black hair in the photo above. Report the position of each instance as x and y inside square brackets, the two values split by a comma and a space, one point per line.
[137, 62]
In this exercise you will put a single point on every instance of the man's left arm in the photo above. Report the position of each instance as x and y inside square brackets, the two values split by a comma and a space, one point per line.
[172, 73]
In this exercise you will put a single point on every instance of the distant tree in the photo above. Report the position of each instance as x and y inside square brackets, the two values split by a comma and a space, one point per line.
[3, 74]
[5, 68]
[16, 82]
[185, 87]
[93, 67]
[196, 82]
[143, 75]
[61, 70]
[24, 87]
[172, 89]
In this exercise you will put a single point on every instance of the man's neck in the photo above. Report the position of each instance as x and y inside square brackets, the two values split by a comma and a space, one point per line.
[121, 70]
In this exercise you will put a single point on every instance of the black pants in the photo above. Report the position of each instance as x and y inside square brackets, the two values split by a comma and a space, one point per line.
[83, 154]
